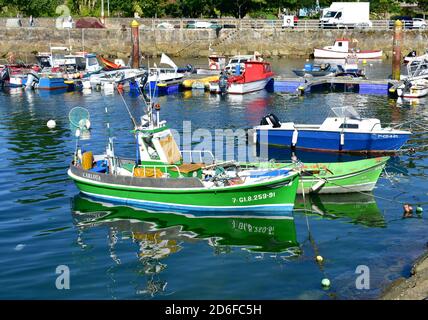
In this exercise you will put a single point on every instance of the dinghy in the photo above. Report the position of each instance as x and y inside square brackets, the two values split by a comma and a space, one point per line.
[315, 70]
[346, 131]
[413, 88]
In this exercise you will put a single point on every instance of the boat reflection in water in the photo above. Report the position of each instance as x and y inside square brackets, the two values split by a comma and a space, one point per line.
[160, 235]
[359, 208]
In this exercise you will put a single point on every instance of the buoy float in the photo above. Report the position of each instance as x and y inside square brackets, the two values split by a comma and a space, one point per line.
[51, 124]
[325, 283]
[319, 259]
[419, 209]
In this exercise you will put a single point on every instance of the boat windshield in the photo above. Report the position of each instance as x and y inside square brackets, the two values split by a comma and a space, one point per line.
[345, 112]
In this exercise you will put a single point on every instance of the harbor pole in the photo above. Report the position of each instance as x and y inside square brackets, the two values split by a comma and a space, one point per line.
[396, 50]
[135, 44]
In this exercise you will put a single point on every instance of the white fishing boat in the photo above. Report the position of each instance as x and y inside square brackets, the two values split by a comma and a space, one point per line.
[342, 48]
[413, 88]
[164, 77]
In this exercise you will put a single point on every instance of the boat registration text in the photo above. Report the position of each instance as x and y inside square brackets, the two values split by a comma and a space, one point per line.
[261, 196]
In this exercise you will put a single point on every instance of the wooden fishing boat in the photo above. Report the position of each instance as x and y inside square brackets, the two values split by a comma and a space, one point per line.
[256, 76]
[159, 179]
[346, 131]
[338, 177]
[341, 49]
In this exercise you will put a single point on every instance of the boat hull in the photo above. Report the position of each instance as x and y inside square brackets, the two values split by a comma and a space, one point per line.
[413, 92]
[343, 177]
[329, 141]
[332, 54]
[51, 84]
[242, 88]
[275, 196]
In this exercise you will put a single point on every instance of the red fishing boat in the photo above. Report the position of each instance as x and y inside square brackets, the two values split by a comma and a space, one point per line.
[256, 76]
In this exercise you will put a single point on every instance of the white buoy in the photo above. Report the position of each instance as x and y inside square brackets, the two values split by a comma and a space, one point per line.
[51, 124]
[325, 282]
[319, 259]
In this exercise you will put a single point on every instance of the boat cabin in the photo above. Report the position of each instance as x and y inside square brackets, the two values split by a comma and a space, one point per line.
[340, 45]
[157, 148]
[216, 62]
[254, 71]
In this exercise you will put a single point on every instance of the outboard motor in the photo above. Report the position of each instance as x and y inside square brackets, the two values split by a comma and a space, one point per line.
[222, 83]
[271, 120]
[32, 80]
[4, 75]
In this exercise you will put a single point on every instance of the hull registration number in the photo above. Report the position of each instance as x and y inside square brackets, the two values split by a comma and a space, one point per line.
[256, 197]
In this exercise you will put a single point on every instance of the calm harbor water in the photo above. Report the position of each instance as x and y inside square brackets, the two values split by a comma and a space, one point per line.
[117, 252]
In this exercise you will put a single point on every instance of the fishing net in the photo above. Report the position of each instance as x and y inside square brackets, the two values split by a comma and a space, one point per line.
[79, 117]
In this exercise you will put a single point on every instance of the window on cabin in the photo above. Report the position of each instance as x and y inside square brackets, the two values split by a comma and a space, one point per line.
[339, 44]
[348, 126]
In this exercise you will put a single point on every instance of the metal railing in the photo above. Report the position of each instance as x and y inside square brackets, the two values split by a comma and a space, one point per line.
[211, 24]
[245, 24]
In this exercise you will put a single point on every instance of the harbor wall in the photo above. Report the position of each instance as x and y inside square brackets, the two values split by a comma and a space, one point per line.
[115, 42]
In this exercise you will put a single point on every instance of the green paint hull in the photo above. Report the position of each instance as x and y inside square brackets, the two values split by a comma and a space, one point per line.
[259, 234]
[276, 195]
[341, 177]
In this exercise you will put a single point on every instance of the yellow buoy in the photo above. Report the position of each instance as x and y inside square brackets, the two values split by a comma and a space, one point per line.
[319, 259]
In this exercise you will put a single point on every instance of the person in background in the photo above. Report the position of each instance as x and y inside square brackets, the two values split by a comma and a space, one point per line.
[31, 22]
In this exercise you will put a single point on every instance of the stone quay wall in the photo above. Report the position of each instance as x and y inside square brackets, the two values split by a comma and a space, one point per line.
[116, 42]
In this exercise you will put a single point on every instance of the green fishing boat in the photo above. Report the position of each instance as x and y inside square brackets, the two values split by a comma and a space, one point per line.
[158, 179]
[268, 234]
[339, 177]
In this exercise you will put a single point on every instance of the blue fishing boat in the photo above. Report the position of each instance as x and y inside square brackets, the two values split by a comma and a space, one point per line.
[346, 131]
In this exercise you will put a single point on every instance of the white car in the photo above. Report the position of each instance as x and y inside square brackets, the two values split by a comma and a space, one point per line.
[419, 23]
[165, 25]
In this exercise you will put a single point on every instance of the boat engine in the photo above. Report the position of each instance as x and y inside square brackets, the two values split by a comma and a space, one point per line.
[271, 120]
[32, 80]
[4, 75]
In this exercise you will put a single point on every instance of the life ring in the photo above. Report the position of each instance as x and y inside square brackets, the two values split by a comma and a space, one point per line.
[213, 66]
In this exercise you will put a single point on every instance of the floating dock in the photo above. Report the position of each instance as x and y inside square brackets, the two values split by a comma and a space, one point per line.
[344, 84]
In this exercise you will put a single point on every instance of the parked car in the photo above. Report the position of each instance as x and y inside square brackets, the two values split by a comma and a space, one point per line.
[419, 23]
[406, 20]
[202, 25]
[165, 25]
